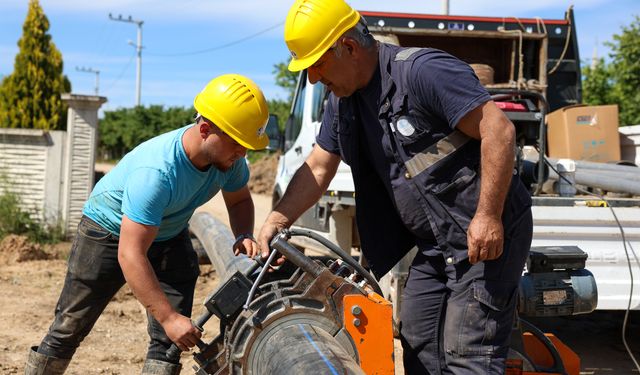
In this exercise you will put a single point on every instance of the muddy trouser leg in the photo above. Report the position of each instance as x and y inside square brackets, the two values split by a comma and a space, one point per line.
[457, 319]
[176, 266]
[93, 277]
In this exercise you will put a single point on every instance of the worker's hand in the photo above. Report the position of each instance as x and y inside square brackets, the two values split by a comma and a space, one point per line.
[247, 246]
[181, 331]
[485, 238]
[275, 222]
[267, 232]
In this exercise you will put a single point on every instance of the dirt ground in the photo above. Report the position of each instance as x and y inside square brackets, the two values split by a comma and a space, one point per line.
[117, 343]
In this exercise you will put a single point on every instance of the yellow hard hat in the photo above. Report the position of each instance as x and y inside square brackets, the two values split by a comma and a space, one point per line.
[237, 106]
[313, 26]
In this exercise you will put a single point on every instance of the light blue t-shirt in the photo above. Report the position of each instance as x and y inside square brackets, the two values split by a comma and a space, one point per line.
[156, 184]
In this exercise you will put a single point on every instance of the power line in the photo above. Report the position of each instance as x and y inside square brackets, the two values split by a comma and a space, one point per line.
[220, 46]
[121, 73]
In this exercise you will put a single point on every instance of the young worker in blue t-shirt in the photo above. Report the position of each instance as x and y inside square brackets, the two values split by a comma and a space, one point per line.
[432, 159]
[134, 226]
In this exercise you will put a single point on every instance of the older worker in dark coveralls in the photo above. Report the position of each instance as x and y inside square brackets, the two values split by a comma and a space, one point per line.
[432, 159]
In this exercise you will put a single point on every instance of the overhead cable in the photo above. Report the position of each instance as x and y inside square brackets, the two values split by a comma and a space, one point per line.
[211, 49]
[113, 83]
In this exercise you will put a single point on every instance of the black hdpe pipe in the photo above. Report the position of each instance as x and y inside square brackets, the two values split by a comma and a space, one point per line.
[217, 240]
[302, 348]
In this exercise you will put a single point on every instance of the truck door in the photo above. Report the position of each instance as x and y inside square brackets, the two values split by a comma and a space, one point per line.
[301, 128]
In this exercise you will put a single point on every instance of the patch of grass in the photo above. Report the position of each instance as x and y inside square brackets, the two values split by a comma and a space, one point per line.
[14, 219]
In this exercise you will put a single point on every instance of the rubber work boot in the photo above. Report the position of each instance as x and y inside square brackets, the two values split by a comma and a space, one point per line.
[40, 364]
[156, 367]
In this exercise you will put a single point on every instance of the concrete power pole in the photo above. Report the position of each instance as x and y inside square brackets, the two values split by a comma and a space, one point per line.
[97, 73]
[138, 47]
[445, 7]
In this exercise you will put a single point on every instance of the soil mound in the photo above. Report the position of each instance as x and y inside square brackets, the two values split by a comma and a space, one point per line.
[15, 248]
[263, 174]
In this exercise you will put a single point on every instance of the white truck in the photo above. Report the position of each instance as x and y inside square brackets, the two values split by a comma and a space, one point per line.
[519, 55]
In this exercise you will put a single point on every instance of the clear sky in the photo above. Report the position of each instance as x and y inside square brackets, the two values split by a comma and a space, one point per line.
[188, 42]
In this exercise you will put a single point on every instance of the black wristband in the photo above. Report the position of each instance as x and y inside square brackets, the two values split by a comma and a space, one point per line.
[243, 236]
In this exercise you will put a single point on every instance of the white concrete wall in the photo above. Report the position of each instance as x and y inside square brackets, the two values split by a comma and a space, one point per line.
[28, 161]
[52, 172]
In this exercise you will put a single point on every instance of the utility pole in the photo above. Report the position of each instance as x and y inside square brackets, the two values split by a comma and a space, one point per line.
[138, 47]
[90, 70]
[445, 7]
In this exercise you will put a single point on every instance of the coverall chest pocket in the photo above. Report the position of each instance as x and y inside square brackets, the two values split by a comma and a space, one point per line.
[408, 130]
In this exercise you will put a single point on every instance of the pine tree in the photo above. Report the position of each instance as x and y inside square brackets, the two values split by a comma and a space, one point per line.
[30, 96]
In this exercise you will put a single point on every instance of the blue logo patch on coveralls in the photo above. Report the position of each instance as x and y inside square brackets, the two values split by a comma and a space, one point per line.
[404, 127]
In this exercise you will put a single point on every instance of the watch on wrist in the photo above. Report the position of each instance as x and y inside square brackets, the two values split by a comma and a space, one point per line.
[243, 236]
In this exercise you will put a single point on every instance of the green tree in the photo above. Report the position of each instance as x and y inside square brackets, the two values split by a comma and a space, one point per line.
[286, 78]
[625, 68]
[123, 129]
[30, 96]
[280, 108]
[597, 84]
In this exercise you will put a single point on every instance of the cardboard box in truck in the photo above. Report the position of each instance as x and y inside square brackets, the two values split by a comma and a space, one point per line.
[584, 133]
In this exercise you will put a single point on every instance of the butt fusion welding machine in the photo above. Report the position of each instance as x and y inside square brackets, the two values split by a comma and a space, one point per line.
[321, 315]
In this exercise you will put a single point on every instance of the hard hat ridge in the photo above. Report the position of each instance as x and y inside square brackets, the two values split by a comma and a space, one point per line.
[313, 26]
[237, 106]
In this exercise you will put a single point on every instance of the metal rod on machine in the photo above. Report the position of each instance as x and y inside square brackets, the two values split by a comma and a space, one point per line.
[217, 240]
[280, 243]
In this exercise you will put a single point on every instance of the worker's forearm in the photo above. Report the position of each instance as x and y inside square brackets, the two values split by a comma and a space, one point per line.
[303, 191]
[241, 217]
[497, 162]
[145, 286]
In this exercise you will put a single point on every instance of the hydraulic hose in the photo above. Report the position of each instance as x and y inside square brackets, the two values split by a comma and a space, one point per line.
[339, 252]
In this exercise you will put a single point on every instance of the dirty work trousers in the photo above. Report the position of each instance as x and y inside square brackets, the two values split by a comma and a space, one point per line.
[94, 276]
[457, 318]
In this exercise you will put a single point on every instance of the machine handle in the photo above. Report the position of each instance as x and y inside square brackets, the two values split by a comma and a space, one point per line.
[174, 351]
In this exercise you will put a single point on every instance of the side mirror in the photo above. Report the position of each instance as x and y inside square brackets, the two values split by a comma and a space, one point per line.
[274, 134]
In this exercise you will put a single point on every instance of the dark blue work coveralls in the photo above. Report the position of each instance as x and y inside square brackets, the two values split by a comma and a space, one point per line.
[455, 317]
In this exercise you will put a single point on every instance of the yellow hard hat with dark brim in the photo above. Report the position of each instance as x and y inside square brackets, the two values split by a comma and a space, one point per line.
[237, 106]
[313, 26]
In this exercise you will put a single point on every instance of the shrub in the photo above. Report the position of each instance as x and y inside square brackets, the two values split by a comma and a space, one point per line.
[15, 219]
